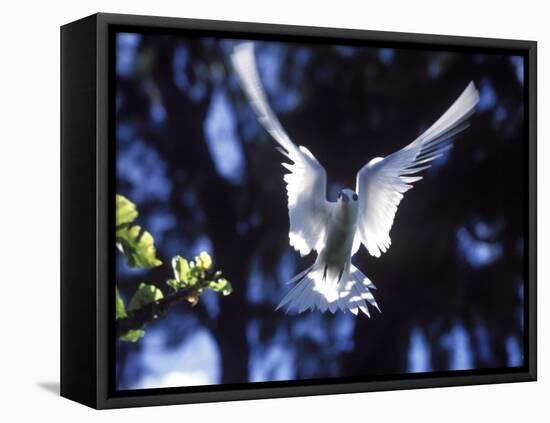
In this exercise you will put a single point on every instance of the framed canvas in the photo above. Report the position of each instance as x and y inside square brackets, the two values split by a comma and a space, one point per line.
[395, 248]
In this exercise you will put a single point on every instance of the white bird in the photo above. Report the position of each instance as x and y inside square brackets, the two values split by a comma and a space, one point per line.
[335, 230]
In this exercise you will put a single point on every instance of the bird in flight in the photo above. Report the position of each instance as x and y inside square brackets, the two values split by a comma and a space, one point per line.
[336, 230]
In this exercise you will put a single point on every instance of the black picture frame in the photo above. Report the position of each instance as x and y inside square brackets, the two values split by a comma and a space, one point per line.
[87, 195]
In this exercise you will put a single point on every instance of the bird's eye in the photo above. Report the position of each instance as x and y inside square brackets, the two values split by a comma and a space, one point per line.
[355, 197]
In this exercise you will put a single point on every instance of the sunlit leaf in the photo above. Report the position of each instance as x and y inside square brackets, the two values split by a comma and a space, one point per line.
[145, 294]
[174, 284]
[180, 266]
[221, 285]
[132, 335]
[194, 275]
[126, 211]
[204, 261]
[137, 246]
[187, 274]
[120, 308]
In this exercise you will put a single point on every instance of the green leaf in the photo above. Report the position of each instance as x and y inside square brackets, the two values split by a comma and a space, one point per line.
[180, 266]
[132, 335]
[126, 211]
[145, 294]
[220, 285]
[120, 308]
[138, 246]
[187, 274]
[195, 274]
[204, 261]
[174, 284]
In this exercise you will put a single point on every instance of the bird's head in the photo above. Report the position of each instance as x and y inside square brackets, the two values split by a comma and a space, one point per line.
[348, 200]
[347, 196]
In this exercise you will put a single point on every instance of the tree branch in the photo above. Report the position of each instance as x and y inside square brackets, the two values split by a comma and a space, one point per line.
[150, 312]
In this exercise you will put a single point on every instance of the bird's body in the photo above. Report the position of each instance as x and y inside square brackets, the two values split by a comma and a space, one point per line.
[364, 216]
[333, 282]
[341, 233]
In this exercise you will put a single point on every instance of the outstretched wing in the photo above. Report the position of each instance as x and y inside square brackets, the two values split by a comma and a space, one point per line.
[308, 207]
[382, 182]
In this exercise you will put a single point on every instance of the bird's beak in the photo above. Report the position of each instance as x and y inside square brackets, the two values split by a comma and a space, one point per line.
[345, 198]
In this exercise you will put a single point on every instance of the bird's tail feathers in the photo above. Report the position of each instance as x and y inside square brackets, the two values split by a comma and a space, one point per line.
[319, 288]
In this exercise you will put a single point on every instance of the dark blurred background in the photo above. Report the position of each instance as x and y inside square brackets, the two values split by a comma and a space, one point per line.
[206, 176]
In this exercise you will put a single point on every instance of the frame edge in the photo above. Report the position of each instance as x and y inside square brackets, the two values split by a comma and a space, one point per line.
[104, 401]
[77, 212]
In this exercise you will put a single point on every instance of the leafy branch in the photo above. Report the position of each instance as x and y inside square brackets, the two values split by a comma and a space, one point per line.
[149, 302]
[136, 244]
